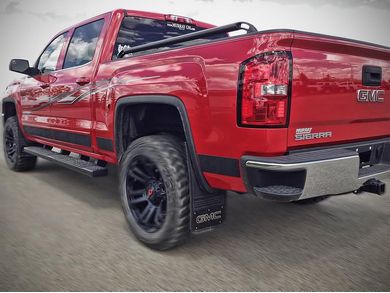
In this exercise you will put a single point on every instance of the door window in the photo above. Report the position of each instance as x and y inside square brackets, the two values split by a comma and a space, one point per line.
[49, 58]
[83, 44]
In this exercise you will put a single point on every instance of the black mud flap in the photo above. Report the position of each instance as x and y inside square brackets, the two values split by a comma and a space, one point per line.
[207, 209]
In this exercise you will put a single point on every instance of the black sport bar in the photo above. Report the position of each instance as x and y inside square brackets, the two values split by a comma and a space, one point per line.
[249, 28]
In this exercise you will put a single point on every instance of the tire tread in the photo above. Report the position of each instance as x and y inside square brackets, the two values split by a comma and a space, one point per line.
[172, 152]
[23, 162]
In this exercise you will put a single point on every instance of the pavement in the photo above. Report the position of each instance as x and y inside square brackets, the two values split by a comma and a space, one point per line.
[62, 231]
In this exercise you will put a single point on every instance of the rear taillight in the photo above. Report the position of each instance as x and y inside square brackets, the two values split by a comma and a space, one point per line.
[263, 90]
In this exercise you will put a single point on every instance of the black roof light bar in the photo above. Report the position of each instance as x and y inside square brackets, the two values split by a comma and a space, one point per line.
[249, 28]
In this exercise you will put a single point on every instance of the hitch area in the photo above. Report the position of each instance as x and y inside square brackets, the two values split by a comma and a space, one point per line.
[372, 186]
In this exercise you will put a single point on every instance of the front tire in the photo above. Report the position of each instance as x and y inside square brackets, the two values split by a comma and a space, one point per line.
[154, 191]
[13, 143]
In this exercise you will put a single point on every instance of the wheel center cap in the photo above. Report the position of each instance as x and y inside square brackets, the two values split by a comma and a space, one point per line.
[154, 191]
[149, 191]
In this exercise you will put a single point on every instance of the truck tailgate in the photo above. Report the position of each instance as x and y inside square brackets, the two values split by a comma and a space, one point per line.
[340, 91]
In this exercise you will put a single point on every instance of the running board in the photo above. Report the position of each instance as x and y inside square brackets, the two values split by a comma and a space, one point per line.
[75, 164]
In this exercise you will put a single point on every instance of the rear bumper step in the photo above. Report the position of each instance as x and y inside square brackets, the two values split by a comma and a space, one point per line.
[279, 192]
[77, 164]
[316, 173]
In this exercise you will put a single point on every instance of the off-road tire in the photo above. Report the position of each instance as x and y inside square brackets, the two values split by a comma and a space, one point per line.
[168, 155]
[20, 161]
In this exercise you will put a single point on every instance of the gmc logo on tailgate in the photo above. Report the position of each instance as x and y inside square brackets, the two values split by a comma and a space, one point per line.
[371, 96]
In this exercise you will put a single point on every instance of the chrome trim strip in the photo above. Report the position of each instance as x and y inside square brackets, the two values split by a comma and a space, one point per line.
[265, 165]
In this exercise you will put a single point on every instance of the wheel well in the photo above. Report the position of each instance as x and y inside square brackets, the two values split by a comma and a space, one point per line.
[139, 120]
[9, 110]
[137, 116]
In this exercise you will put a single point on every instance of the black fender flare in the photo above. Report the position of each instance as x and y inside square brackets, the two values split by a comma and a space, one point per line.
[167, 100]
[5, 100]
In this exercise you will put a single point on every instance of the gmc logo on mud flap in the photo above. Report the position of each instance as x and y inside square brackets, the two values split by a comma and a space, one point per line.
[371, 96]
[208, 217]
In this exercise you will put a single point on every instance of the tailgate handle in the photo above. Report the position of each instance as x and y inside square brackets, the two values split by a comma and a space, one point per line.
[372, 75]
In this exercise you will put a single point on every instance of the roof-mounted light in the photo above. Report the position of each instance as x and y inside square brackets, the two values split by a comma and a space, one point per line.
[179, 19]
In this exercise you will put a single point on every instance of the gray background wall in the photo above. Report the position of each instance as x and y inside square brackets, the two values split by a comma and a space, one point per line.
[27, 25]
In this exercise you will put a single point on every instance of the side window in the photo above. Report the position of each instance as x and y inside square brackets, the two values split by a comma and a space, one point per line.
[48, 60]
[83, 44]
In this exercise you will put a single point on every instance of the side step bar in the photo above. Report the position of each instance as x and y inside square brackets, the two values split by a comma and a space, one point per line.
[75, 164]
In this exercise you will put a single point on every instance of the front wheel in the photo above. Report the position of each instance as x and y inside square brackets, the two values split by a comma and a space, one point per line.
[154, 190]
[13, 143]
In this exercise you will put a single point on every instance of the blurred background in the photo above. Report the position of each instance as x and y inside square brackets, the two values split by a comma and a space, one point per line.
[63, 231]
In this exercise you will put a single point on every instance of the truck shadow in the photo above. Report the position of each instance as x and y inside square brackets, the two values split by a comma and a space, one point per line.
[288, 233]
[100, 192]
[280, 232]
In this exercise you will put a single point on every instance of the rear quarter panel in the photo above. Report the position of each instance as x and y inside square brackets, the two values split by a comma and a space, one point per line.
[204, 78]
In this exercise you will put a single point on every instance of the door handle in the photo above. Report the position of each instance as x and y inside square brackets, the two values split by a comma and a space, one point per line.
[83, 81]
[44, 85]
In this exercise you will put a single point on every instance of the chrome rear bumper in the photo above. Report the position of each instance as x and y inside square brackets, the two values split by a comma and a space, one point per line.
[315, 173]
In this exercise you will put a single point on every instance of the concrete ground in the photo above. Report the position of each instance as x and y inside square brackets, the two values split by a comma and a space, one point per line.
[62, 231]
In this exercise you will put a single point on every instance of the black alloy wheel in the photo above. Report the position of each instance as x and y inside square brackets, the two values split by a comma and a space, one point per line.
[155, 191]
[13, 144]
[147, 198]
[10, 144]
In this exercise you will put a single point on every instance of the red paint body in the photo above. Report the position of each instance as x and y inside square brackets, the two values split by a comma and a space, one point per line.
[326, 75]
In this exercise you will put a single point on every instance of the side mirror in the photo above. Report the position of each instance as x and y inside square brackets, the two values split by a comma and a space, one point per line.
[22, 66]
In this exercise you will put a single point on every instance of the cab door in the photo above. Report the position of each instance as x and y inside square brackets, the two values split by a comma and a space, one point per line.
[70, 93]
[35, 91]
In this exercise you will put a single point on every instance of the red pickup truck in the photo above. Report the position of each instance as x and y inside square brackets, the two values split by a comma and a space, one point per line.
[188, 111]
